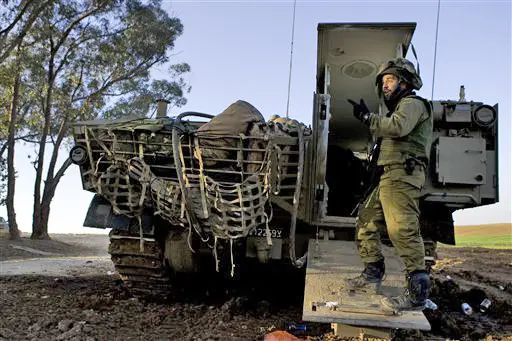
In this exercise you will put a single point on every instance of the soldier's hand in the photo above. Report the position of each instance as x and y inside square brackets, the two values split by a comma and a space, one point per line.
[361, 111]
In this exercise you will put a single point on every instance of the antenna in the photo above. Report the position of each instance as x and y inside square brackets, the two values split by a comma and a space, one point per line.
[435, 51]
[291, 58]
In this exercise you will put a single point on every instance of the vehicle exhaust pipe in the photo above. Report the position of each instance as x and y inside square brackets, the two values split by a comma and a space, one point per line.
[161, 110]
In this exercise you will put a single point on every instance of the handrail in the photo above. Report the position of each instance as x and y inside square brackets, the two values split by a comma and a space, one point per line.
[192, 219]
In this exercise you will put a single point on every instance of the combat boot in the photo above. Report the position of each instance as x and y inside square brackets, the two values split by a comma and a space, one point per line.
[414, 296]
[369, 280]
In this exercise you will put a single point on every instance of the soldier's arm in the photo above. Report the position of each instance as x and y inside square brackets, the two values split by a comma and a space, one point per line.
[400, 123]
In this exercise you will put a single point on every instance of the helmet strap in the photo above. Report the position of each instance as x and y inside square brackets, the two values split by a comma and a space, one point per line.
[396, 96]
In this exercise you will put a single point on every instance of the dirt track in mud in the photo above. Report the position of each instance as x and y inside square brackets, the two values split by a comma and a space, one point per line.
[87, 301]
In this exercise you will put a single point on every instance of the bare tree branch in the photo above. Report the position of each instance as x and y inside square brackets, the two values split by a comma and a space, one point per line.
[77, 87]
[125, 76]
[24, 30]
[53, 161]
[116, 94]
[49, 190]
[18, 17]
[19, 138]
[60, 172]
[33, 138]
[67, 31]
[75, 22]
[2, 149]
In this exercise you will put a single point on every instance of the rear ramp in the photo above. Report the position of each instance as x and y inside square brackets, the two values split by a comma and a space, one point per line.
[353, 314]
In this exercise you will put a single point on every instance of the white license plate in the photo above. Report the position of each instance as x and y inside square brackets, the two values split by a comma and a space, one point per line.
[262, 232]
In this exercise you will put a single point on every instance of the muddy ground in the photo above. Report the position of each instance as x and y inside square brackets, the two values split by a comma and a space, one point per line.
[87, 301]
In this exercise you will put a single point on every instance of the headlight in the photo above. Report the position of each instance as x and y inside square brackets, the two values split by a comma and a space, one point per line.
[78, 155]
[484, 115]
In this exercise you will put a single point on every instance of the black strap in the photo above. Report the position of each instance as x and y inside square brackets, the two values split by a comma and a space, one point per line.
[425, 102]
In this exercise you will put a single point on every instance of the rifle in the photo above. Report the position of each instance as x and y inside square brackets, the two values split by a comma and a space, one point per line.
[375, 171]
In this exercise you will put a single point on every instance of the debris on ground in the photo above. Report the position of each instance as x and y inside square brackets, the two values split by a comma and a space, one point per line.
[97, 306]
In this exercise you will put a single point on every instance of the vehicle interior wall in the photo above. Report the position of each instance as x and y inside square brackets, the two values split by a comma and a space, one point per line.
[346, 178]
[348, 140]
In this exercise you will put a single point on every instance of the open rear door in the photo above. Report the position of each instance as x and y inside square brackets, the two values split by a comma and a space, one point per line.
[349, 55]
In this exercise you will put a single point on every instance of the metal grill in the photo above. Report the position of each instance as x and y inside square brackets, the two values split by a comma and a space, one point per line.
[125, 195]
[135, 165]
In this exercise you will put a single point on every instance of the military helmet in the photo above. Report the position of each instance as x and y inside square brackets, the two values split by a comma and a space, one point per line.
[401, 68]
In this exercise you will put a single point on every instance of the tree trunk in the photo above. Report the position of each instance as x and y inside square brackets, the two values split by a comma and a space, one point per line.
[43, 215]
[14, 233]
[38, 231]
[48, 194]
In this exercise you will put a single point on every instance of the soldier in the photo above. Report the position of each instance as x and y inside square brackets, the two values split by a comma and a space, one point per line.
[406, 134]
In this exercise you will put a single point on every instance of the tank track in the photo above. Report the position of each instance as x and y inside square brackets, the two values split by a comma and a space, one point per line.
[144, 273]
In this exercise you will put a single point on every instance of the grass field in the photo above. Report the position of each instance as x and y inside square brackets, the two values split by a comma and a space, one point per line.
[497, 236]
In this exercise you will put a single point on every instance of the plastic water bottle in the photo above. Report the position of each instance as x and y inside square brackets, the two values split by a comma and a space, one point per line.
[297, 327]
[466, 308]
[485, 305]
[430, 305]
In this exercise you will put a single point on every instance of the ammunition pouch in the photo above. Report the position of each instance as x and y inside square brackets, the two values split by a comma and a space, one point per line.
[409, 165]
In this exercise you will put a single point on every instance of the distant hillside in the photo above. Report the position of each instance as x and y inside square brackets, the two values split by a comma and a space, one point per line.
[487, 230]
[489, 235]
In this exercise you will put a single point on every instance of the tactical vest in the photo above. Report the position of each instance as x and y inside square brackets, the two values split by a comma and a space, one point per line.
[414, 145]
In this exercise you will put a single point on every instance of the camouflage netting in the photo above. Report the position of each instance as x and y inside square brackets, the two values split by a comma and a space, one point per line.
[222, 176]
[165, 194]
[126, 195]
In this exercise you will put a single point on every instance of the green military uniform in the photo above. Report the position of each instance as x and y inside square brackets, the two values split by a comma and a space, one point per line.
[405, 135]
[394, 203]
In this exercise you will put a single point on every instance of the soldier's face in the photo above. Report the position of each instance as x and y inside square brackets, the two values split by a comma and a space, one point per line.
[389, 84]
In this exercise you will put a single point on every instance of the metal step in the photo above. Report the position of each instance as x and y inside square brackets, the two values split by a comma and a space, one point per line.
[326, 299]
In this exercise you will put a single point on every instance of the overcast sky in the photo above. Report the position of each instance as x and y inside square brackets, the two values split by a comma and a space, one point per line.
[241, 50]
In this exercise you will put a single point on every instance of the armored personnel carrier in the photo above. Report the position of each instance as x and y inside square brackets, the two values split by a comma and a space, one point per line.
[234, 186]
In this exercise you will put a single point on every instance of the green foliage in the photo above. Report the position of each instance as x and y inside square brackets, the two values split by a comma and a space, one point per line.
[80, 60]
[143, 101]
[16, 20]
[96, 58]
[7, 76]
[87, 59]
